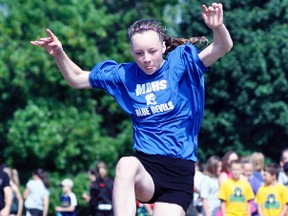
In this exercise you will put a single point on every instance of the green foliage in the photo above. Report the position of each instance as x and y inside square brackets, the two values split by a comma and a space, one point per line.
[43, 128]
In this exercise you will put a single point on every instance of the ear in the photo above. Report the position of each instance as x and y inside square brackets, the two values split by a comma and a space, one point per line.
[163, 47]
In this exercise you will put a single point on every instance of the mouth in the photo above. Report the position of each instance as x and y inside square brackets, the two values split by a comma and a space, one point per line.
[148, 68]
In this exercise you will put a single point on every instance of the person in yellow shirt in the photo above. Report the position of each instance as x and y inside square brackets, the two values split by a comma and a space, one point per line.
[272, 198]
[235, 193]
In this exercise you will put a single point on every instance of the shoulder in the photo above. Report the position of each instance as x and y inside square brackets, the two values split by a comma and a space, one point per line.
[111, 65]
[72, 194]
[281, 186]
[30, 182]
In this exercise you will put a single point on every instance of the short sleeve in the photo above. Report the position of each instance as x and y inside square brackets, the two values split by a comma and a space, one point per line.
[191, 55]
[222, 192]
[29, 184]
[258, 198]
[250, 194]
[204, 188]
[73, 199]
[105, 76]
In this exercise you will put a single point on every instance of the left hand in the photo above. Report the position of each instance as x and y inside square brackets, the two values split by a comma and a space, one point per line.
[213, 15]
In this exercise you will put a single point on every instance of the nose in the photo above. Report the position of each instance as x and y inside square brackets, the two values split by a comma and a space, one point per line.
[147, 57]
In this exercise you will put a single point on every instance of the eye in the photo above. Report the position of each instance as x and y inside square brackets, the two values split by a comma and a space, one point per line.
[139, 53]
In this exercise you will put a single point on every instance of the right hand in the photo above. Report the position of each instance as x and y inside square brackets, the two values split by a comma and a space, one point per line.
[51, 44]
[5, 211]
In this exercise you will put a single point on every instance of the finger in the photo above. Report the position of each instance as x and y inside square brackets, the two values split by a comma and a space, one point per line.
[220, 12]
[204, 17]
[50, 33]
[205, 9]
[46, 39]
[37, 43]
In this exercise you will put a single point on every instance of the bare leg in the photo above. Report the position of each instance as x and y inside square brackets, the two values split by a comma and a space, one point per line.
[167, 209]
[131, 181]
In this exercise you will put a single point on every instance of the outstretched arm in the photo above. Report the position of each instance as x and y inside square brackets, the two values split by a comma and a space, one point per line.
[213, 18]
[75, 76]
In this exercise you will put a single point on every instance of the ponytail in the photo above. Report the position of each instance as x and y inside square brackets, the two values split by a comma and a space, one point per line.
[43, 176]
[172, 43]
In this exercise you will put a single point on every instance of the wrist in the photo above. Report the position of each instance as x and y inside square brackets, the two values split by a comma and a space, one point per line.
[219, 27]
[58, 55]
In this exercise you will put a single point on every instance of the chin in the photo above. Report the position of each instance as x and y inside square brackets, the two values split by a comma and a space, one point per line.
[150, 72]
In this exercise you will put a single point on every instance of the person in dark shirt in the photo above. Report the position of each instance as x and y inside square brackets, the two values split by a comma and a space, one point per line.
[5, 194]
[101, 192]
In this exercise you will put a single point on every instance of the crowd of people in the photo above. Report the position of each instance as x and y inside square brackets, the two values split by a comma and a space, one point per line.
[241, 186]
[223, 186]
[34, 200]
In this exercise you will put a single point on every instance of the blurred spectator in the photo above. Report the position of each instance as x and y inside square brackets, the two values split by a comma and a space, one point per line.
[68, 200]
[5, 194]
[285, 168]
[257, 159]
[101, 191]
[272, 198]
[92, 175]
[17, 200]
[209, 187]
[253, 181]
[195, 208]
[37, 193]
[235, 193]
[226, 160]
[282, 178]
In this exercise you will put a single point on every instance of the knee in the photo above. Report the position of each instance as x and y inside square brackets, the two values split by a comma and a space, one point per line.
[127, 167]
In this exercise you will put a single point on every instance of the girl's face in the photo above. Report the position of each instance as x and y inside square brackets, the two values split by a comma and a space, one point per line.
[219, 168]
[147, 50]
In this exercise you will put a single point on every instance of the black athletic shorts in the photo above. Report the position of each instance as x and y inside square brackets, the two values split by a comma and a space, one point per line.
[173, 178]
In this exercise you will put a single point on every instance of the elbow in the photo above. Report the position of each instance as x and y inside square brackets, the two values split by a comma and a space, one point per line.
[231, 44]
[75, 85]
[228, 47]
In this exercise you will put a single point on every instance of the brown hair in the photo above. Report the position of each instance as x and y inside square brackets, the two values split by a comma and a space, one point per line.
[226, 162]
[143, 25]
[43, 176]
[212, 166]
[272, 169]
[257, 159]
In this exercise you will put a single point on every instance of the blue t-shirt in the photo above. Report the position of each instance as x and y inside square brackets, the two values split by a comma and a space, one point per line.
[166, 107]
[66, 201]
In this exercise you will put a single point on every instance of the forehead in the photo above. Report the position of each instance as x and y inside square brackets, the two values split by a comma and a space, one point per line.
[145, 39]
[267, 173]
[236, 165]
[247, 166]
[233, 156]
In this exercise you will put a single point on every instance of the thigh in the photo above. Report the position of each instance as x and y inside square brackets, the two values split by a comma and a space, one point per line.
[130, 170]
[167, 209]
[144, 184]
